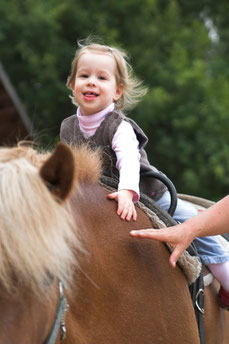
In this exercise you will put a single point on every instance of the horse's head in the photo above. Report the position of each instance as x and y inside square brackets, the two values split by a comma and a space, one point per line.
[37, 239]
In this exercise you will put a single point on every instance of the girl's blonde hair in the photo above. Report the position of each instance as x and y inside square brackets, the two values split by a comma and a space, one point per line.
[133, 90]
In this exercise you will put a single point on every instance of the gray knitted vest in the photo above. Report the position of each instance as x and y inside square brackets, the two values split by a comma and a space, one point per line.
[71, 134]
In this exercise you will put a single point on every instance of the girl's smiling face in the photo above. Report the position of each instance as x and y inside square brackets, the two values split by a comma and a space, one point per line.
[95, 85]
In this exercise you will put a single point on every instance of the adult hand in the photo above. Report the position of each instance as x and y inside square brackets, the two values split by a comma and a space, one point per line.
[178, 237]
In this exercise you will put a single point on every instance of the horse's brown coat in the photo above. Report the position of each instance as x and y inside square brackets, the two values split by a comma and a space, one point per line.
[126, 291]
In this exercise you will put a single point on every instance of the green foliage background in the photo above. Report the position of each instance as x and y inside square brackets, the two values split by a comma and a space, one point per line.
[179, 48]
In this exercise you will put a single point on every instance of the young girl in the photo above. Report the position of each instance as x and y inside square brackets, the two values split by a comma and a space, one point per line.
[102, 84]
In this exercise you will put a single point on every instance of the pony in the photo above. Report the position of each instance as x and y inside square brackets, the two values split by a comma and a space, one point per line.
[118, 289]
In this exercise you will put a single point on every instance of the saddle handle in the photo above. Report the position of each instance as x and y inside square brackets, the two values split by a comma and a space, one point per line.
[172, 190]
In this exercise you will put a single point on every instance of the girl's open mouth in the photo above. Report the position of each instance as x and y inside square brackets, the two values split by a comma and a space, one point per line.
[89, 94]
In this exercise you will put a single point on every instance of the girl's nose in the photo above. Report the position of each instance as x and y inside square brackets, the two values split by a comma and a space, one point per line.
[91, 80]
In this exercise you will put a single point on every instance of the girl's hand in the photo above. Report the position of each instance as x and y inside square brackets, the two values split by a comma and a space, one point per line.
[126, 209]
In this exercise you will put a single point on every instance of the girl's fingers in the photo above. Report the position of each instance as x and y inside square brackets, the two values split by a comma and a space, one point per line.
[124, 213]
[130, 214]
[134, 214]
[112, 195]
[120, 209]
[127, 212]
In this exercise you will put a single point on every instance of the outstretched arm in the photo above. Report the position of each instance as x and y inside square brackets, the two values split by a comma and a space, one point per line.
[214, 220]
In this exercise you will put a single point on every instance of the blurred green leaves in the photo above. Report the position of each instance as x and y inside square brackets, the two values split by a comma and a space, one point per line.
[186, 111]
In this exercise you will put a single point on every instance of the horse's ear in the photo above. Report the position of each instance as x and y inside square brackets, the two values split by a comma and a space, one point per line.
[58, 171]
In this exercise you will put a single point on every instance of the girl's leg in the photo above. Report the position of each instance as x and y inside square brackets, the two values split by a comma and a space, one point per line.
[214, 256]
[221, 273]
[184, 210]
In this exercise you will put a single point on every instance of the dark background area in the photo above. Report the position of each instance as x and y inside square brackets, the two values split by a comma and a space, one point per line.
[179, 48]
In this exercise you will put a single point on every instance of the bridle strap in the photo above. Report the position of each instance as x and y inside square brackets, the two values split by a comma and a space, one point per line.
[59, 323]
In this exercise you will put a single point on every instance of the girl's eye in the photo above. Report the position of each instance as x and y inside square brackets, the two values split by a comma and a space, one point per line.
[102, 78]
[84, 76]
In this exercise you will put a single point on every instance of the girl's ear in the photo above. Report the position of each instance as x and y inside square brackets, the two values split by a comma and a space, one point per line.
[119, 92]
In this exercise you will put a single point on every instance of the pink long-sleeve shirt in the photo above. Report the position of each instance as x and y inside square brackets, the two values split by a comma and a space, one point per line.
[124, 144]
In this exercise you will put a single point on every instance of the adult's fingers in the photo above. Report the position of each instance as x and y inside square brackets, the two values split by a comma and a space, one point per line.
[175, 255]
[151, 234]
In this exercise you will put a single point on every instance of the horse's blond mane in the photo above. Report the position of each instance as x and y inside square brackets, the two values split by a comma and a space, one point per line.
[37, 235]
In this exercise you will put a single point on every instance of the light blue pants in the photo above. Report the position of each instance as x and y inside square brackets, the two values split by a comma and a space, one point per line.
[208, 248]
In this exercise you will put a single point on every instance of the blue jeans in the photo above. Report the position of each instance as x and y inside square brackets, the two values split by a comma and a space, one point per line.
[208, 248]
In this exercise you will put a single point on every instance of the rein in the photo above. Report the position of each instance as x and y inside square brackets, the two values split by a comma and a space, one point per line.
[59, 322]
